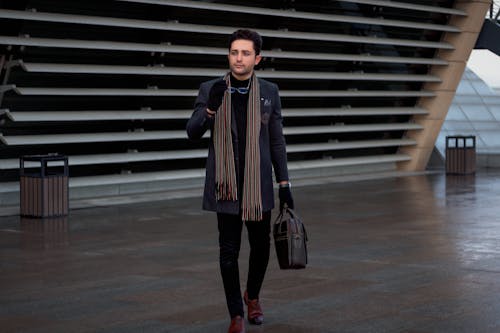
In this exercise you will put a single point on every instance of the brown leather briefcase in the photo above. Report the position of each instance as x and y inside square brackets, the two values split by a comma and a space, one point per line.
[290, 240]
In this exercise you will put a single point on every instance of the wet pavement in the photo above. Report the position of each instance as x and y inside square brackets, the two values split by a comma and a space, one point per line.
[411, 254]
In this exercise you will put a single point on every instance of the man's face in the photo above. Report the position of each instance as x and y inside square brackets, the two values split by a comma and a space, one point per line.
[242, 59]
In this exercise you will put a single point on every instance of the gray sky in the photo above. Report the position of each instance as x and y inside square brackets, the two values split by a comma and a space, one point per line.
[486, 65]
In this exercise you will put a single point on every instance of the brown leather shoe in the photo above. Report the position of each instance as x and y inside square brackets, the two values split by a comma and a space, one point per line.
[237, 325]
[255, 315]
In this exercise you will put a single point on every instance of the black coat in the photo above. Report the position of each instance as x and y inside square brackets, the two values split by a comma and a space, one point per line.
[271, 141]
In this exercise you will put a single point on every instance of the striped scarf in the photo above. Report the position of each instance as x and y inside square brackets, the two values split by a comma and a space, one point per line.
[225, 171]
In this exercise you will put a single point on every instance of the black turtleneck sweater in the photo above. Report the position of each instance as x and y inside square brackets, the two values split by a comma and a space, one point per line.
[239, 104]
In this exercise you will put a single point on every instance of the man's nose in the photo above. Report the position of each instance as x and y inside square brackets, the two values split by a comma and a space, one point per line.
[239, 57]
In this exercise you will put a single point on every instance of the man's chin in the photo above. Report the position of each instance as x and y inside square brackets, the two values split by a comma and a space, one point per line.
[240, 74]
[240, 71]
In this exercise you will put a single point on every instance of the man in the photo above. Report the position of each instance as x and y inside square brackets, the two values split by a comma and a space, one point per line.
[243, 114]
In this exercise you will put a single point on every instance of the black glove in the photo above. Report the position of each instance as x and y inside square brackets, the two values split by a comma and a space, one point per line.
[216, 94]
[285, 197]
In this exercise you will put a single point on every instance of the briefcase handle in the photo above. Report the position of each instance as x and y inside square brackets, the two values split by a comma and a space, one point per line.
[291, 212]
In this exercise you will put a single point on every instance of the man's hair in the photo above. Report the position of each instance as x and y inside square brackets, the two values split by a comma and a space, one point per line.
[248, 35]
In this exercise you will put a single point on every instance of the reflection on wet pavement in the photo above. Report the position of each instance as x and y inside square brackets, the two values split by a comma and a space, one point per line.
[411, 254]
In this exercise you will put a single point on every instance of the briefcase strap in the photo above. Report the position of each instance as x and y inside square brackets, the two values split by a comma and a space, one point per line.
[291, 212]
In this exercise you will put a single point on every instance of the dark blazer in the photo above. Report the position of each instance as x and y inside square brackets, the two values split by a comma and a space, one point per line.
[271, 141]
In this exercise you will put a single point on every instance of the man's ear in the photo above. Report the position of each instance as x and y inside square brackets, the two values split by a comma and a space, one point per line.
[258, 59]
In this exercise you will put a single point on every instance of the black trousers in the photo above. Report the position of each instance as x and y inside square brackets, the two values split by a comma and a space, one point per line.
[230, 227]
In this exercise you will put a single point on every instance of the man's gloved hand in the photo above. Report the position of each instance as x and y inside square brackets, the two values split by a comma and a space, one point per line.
[216, 94]
[285, 197]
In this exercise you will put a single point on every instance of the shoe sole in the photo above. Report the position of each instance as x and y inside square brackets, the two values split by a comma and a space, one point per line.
[255, 322]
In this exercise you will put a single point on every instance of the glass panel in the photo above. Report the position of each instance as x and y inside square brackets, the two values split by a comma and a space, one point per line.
[455, 113]
[476, 112]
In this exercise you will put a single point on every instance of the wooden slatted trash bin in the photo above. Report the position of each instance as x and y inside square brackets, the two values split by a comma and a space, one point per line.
[44, 192]
[461, 155]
